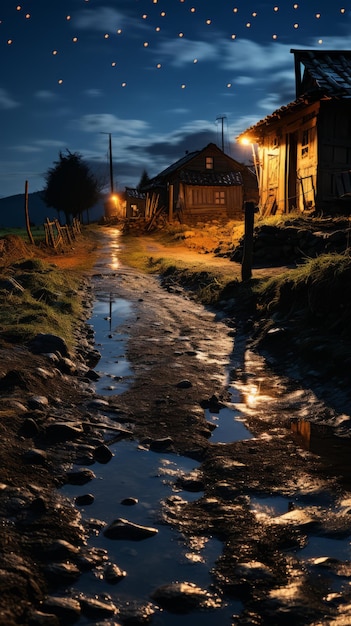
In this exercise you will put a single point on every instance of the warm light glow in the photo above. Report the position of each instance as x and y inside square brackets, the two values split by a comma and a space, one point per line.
[245, 141]
[252, 396]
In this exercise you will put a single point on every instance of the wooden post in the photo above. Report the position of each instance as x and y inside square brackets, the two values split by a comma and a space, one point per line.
[170, 203]
[29, 232]
[246, 264]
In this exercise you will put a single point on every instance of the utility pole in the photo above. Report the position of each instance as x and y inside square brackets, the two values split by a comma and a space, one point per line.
[222, 118]
[110, 157]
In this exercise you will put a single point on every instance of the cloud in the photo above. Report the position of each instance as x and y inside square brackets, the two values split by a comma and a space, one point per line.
[93, 93]
[6, 102]
[39, 145]
[108, 123]
[45, 95]
[183, 51]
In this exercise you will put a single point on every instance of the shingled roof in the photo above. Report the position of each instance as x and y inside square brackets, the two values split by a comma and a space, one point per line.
[327, 72]
[318, 74]
[211, 178]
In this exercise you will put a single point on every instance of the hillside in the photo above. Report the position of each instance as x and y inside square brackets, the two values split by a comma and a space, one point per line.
[12, 211]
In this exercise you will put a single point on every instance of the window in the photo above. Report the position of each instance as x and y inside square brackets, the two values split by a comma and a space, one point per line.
[219, 197]
[209, 163]
[305, 142]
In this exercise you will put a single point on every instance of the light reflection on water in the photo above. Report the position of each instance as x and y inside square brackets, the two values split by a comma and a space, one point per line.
[164, 558]
[109, 313]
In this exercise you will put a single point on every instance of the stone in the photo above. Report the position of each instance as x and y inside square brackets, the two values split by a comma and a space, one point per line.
[113, 574]
[63, 431]
[85, 499]
[61, 549]
[29, 427]
[38, 402]
[44, 343]
[102, 454]
[129, 501]
[62, 573]
[35, 457]
[184, 384]
[37, 618]
[124, 529]
[183, 597]
[66, 609]
[80, 476]
[161, 444]
[95, 608]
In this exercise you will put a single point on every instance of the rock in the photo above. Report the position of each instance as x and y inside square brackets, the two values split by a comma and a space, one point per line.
[92, 375]
[183, 597]
[62, 573]
[161, 444]
[94, 608]
[29, 428]
[123, 529]
[102, 454]
[98, 403]
[61, 549]
[134, 614]
[191, 482]
[44, 343]
[85, 499]
[66, 366]
[38, 402]
[37, 618]
[35, 457]
[129, 501]
[63, 431]
[66, 609]
[80, 476]
[113, 574]
[184, 384]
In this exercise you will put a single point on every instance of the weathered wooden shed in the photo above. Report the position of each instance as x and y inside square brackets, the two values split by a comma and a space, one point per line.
[204, 185]
[304, 148]
[135, 202]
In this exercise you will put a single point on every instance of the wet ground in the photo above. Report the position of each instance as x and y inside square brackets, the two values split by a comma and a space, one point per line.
[222, 464]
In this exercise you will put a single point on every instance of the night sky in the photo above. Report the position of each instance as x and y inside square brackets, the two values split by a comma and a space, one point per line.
[156, 74]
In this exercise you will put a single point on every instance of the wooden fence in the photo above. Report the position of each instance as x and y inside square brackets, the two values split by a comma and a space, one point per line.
[57, 236]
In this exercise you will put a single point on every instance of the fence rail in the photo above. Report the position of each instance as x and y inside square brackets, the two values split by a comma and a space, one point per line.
[57, 236]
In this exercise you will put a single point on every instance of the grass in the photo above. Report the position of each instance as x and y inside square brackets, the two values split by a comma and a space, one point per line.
[38, 233]
[47, 302]
[317, 292]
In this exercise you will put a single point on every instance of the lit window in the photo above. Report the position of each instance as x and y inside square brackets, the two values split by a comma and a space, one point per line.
[219, 197]
[209, 163]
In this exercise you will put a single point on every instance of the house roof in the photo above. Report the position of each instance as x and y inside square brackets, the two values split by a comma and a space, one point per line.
[203, 177]
[211, 178]
[131, 192]
[319, 74]
[326, 72]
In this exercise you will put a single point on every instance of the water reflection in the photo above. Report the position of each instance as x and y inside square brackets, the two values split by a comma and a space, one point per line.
[321, 439]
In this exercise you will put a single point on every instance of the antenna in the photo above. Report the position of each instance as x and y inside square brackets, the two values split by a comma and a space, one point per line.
[222, 118]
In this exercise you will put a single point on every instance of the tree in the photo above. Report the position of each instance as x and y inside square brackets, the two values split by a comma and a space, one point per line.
[70, 186]
[144, 181]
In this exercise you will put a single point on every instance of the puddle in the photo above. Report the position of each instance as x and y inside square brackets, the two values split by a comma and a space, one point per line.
[321, 439]
[109, 313]
[149, 477]
[229, 426]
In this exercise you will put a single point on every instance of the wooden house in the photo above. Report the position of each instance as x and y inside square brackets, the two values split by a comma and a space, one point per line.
[203, 185]
[135, 203]
[304, 148]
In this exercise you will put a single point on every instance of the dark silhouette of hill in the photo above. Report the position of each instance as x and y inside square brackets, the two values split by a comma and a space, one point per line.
[12, 214]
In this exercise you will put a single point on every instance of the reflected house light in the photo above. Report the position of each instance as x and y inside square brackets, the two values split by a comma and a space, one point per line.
[252, 396]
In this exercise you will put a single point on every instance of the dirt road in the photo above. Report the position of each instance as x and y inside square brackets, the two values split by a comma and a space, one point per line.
[265, 498]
